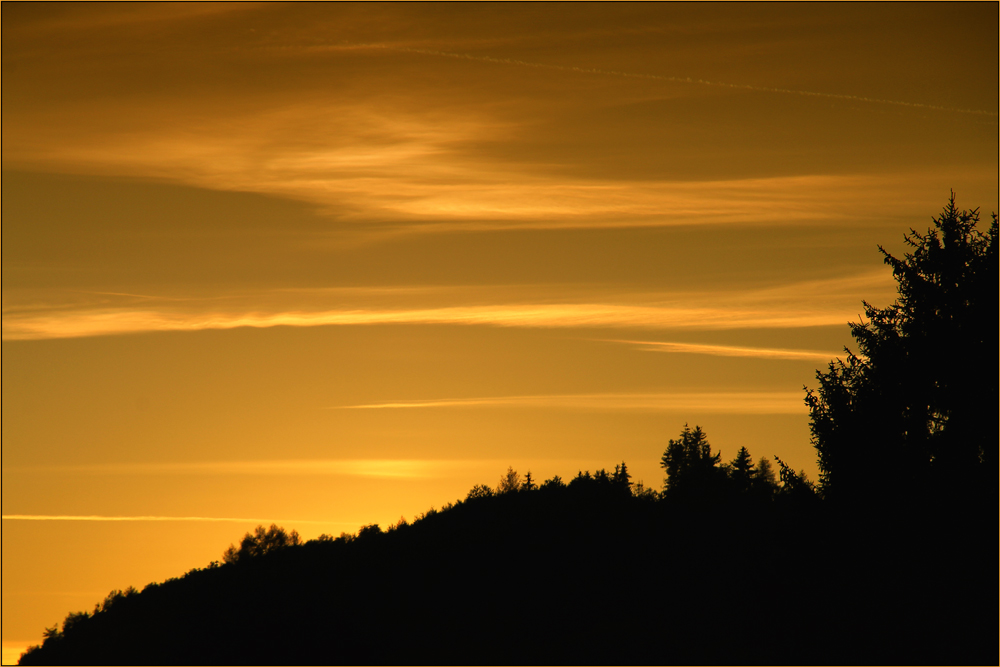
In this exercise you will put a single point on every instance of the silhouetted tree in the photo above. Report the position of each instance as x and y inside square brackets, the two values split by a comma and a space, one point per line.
[369, 531]
[115, 597]
[621, 479]
[914, 409]
[692, 469]
[750, 481]
[742, 471]
[554, 482]
[73, 620]
[528, 484]
[764, 483]
[644, 493]
[262, 541]
[509, 481]
[795, 486]
[479, 491]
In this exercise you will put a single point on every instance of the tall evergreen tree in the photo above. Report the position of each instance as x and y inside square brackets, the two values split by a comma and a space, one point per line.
[692, 468]
[741, 470]
[914, 409]
[765, 482]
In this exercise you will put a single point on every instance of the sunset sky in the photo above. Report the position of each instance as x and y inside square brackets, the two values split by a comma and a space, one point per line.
[333, 264]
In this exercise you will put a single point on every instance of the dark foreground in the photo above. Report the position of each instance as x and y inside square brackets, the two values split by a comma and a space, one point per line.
[567, 577]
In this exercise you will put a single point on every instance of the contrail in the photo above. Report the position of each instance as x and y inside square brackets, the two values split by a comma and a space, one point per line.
[730, 350]
[722, 402]
[92, 517]
[662, 77]
[379, 468]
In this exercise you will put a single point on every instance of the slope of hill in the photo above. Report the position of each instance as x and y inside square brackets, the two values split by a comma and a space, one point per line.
[583, 573]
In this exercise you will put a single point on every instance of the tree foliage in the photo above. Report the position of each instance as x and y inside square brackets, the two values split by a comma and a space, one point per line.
[528, 484]
[764, 482]
[692, 468]
[510, 481]
[260, 542]
[479, 491]
[742, 470]
[913, 409]
[795, 486]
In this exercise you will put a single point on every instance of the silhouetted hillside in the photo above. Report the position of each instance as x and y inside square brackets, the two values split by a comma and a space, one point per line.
[588, 572]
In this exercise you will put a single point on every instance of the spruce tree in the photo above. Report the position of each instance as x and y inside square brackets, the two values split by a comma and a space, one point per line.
[914, 410]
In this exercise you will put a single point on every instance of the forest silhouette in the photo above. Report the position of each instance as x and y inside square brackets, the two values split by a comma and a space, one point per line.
[887, 558]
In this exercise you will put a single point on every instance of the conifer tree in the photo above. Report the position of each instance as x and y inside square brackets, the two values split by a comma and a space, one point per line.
[741, 470]
[915, 408]
[691, 467]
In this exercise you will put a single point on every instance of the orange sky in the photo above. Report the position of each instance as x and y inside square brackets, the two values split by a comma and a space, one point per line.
[330, 264]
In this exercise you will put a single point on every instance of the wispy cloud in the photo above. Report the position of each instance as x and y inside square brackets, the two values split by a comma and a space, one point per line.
[800, 304]
[730, 350]
[373, 145]
[407, 175]
[715, 402]
[112, 322]
[429, 173]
